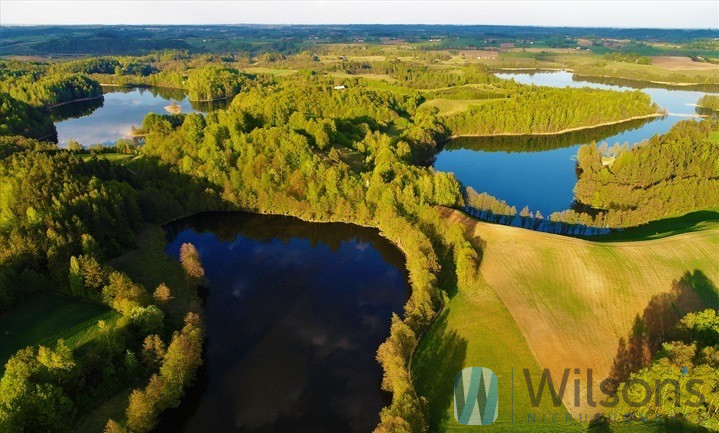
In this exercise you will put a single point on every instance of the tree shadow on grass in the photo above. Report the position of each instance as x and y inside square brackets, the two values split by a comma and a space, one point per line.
[669, 426]
[437, 361]
[693, 292]
[688, 223]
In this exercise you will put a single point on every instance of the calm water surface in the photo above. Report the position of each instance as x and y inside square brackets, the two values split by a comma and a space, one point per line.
[295, 313]
[542, 174]
[105, 120]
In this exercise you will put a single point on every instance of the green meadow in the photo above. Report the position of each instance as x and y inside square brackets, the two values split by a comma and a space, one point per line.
[46, 317]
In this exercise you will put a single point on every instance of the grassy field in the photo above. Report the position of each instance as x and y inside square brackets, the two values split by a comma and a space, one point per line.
[663, 68]
[384, 77]
[477, 330]
[46, 317]
[150, 266]
[560, 302]
[271, 71]
[112, 408]
[118, 158]
[452, 106]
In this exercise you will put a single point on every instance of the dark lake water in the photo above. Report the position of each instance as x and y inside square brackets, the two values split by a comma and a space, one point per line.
[294, 312]
[540, 171]
[105, 120]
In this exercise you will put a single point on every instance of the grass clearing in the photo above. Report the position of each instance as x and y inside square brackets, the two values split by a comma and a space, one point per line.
[378, 77]
[119, 158]
[45, 317]
[150, 266]
[112, 408]
[560, 302]
[271, 71]
[448, 107]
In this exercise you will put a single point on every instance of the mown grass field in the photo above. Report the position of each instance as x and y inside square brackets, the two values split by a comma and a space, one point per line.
[45, 317]
[559, 302]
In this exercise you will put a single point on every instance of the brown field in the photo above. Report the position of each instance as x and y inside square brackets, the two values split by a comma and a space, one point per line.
[574, 299]
[683, 63]
[484, 54]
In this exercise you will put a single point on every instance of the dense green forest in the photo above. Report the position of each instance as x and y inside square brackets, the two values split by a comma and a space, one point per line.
[20, 118]
[61, 218]
[326, 158]
[670, 174]
[709, 101]
[212, 82]
[313, 144]
[50, 89]
[532, 110]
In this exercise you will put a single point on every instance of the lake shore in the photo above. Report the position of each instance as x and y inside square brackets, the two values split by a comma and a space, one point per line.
[637, 81]
[59, 104]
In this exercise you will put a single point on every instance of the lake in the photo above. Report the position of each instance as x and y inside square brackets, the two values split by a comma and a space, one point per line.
[107, 119]
[294, 314]
[540, 171]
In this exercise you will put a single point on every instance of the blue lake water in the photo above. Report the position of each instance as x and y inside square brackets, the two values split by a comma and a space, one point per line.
[539, 172]
[294, 315]
[107, 119]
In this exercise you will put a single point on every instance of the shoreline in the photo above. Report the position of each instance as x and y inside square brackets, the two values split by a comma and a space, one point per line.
[208, 100]
[530, 69]
[609, 77]
[560, 132]
[59, 104]
[639, 80]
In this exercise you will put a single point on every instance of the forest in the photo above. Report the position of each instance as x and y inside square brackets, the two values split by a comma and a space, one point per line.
[270, 157]
[258, 39]
[535, 110]
[323, 144]
[669, 175]
[43, 87]
[21, 118]
[709, 101]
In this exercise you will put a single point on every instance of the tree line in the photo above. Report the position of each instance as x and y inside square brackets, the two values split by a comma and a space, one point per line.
[50, 89]
[62, 216]
[709, 101]
[532, 110]
[668, 175]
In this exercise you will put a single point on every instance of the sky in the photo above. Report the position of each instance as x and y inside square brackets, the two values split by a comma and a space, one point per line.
[577, 13]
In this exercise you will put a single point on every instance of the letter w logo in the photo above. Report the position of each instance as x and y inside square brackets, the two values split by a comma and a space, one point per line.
[476, 395]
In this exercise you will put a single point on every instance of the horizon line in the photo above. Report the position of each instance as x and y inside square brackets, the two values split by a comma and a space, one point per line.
[351, 24]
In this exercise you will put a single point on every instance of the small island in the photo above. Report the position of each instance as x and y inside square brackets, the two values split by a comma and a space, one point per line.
[173, 108]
